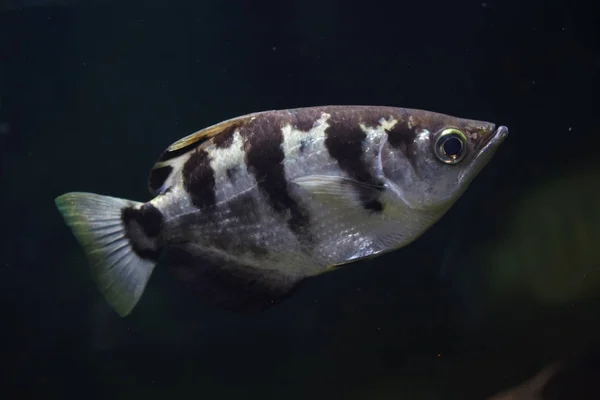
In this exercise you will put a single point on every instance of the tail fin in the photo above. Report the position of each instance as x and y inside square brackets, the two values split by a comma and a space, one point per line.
[96, 221]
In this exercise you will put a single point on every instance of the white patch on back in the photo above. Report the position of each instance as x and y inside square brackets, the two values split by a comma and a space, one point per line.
[423, 135]
[230, 158]
[378, 131]
[293, 138]
[222, 159]
[177, 165]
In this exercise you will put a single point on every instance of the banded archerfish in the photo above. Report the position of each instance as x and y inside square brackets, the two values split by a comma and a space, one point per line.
[248, 208]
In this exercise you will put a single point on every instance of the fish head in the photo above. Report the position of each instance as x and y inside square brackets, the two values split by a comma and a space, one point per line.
[429, 159]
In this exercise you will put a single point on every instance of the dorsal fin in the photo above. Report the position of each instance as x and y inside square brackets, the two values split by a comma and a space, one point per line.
[171, 161]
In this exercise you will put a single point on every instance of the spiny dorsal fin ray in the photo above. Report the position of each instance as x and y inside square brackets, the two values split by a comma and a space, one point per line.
[195, 139]
[171, 161]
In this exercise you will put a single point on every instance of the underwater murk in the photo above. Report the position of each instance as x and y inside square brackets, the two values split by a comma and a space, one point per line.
[300, 199]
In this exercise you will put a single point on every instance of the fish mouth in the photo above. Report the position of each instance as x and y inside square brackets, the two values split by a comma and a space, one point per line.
[501, 133]
[495, 138]
[485, 153]
[492, 142]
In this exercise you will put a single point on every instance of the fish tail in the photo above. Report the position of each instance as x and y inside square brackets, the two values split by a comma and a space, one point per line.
[120, 239]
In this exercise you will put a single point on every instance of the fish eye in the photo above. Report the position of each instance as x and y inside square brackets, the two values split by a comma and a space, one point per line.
[451, 146]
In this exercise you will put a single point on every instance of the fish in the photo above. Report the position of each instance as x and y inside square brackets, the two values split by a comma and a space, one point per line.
[532, 388]
[246, 210]
[574, 377]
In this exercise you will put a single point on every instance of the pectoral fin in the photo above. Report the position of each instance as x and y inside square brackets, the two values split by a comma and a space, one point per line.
[340, 191]
[350, 210]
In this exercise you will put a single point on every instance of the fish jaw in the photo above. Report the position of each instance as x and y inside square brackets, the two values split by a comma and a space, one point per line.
[484, 155]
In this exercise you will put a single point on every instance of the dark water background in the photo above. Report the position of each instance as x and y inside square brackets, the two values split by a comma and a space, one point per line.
[92, 92]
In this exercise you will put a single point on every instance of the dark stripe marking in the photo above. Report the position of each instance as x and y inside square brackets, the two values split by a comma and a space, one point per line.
[199, 179]
[224, 139]
[305, 119]
[158, 177]
[169, 155]
[402, 137]
[303, 146]
[373, 205]
[263, 141]
[231, 173]
[344, 142]
[150, 220]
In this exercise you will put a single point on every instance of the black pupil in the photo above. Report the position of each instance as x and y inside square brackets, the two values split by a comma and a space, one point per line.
[452, 147]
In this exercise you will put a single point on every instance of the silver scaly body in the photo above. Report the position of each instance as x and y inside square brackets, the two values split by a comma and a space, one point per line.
[250, 207]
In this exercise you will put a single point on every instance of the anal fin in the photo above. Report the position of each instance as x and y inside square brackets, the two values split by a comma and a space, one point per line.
[228, 284]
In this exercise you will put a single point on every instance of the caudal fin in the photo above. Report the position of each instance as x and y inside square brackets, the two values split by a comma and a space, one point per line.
[97, 223]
